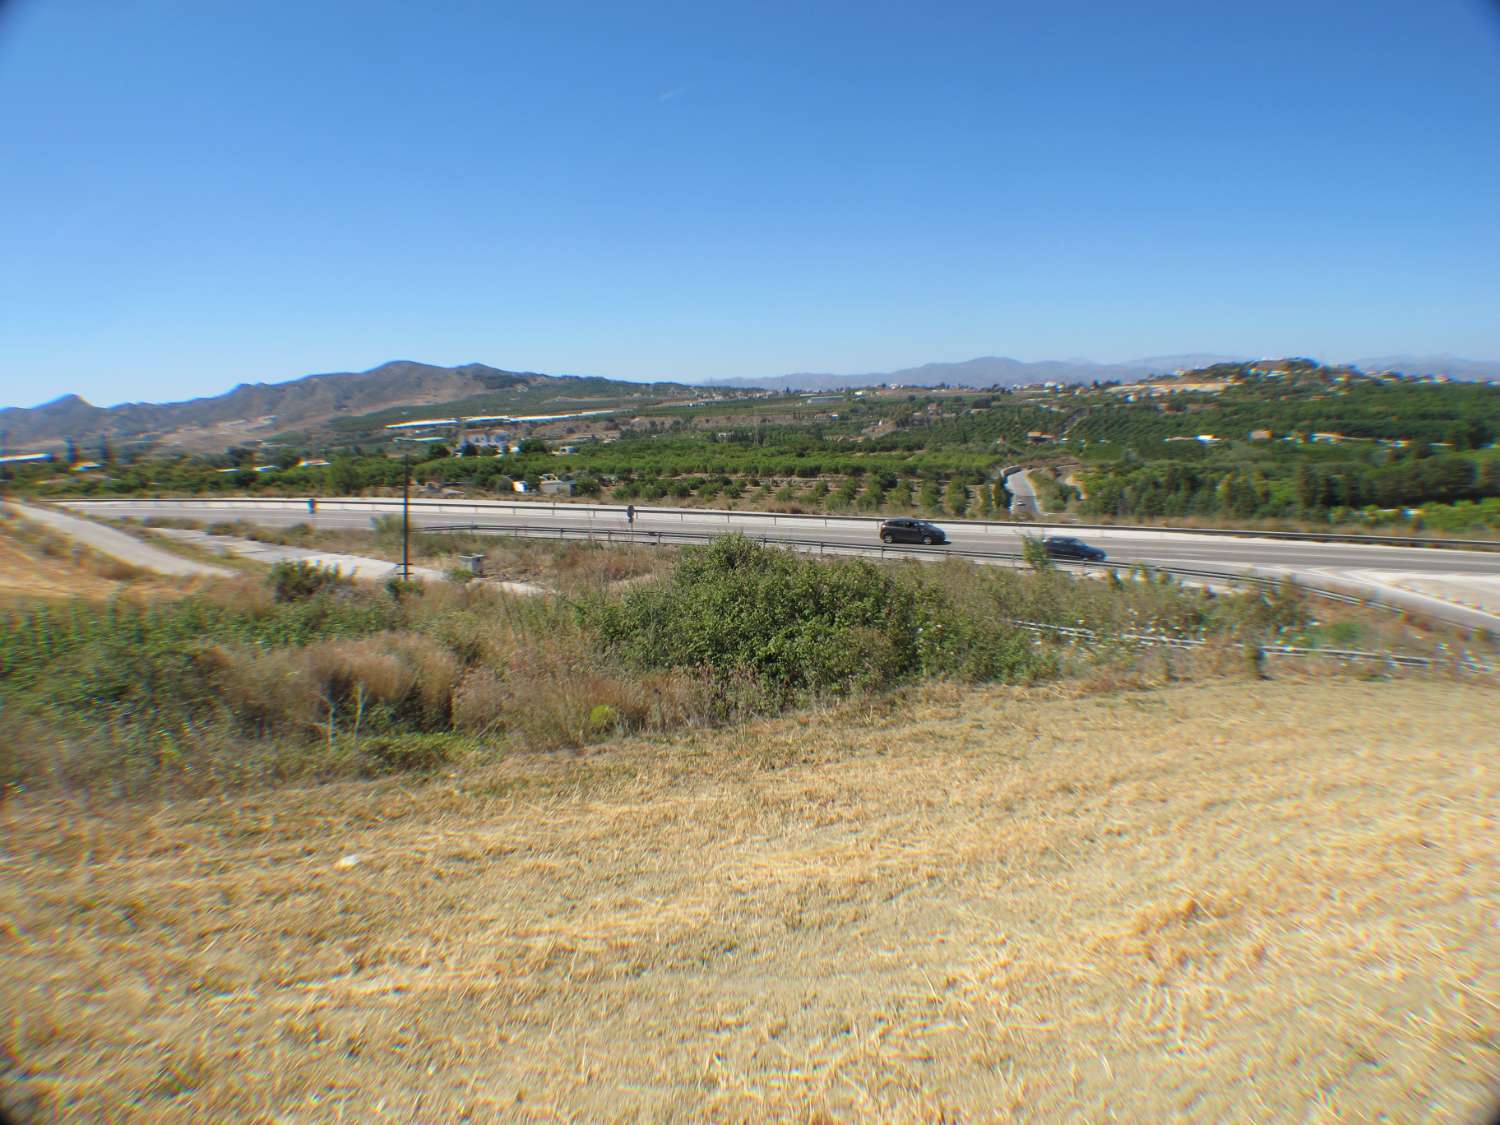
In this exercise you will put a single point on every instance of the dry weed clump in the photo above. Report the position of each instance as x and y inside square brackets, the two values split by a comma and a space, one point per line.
[480, 702]
[322, 684]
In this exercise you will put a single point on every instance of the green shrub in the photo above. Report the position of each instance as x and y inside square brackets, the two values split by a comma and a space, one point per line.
[799, 624]
[413, 751]
[1035, 554]
[603, 718]
[297, 581]
[401, 589]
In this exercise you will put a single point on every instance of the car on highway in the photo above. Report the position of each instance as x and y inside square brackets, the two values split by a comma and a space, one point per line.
[1066, 547]
[911, 531]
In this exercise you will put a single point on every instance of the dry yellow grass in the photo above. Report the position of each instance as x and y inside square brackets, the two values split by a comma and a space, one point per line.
[35, 563]
[1223, 902]
[26, 573]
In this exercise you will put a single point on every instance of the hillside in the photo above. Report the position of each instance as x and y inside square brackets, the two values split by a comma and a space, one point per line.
[260, 410]
[1199, 903]
[352, 403]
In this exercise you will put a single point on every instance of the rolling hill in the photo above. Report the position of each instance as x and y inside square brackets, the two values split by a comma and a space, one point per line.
[261, 410]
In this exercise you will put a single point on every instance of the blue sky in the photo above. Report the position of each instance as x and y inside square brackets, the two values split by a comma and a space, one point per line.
[203, 192]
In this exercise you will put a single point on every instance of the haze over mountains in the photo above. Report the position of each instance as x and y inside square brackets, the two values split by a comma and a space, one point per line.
[263, 409]
[1002, 371]
[990, 371]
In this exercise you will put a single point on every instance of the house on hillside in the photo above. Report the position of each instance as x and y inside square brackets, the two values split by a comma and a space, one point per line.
[1260, 435]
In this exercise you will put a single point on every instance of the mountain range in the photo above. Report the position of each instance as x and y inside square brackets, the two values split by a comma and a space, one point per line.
[990, 371]
[261, 410]
[1003, 371]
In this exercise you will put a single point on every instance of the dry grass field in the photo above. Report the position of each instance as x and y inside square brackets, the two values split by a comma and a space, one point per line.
[38, 564]
[1207, 902]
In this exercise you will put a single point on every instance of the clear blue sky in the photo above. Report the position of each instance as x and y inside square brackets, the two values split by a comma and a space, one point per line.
[202, 192]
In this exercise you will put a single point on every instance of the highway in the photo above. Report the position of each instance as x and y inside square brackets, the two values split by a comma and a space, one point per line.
[1474, 576]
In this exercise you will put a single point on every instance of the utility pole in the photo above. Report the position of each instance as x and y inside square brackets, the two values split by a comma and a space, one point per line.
[406, 515]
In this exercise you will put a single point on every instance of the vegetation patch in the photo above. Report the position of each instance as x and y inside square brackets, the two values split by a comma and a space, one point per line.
[308, 676]
[799, 624]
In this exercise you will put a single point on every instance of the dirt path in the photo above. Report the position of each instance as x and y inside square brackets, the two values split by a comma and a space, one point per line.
[1268, 902]
[361, 567]
[117, 544]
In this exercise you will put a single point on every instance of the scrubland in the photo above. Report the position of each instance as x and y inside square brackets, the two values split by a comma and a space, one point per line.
[743, 836]
[310, 677]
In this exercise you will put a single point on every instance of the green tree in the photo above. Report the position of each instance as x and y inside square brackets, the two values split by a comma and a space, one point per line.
[1489, 478]
[957, 498]
[930, 501]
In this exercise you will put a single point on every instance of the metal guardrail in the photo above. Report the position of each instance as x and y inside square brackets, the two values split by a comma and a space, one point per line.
[986, 526]
[1393, 659]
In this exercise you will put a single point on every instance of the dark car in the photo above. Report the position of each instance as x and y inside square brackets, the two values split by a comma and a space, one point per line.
[1066, 547]
[911, 531]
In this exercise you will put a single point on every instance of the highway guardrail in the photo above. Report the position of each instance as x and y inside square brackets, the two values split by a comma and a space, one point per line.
[642, 512]
[1391, 659]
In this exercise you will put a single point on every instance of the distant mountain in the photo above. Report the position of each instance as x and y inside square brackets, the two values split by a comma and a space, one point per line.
[991, 371]
[259, 410]
[1454, 367]
[362, 401]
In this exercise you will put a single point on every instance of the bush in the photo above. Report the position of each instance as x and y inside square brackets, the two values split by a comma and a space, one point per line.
[1035, 554]
[300, 580]
[603, 718]
[402, 752]
[800, 625]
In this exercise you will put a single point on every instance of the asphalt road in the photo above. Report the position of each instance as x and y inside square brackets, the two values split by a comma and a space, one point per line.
[1125, 547]
[1023, 492]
